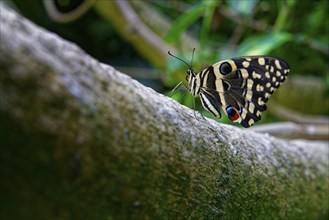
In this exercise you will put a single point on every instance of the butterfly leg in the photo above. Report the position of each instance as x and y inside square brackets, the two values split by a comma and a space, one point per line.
[196, 111]
[178, 87]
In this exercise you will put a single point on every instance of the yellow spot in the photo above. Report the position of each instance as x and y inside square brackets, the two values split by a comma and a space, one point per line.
[251, 122]
[249, 95]
[250, 83]
[267, 67]
[261, 61]
[258, 113]
[267, 74]
[278, 73]
[272, 69]
[282, 77]
[251, 107]
[268, 95]
[273, 79]
[245, 64]
[272, 89]
[268, 85]
[277, 63]
[248, 59]
[256, 75]
[277, 83]
[259, 88]
[260, 101]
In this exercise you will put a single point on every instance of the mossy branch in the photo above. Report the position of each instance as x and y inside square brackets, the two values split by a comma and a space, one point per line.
[81, 140]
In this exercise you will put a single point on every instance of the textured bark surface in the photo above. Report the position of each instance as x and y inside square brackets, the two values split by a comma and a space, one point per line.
[79, 140]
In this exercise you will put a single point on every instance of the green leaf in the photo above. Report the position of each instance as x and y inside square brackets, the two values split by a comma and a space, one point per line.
[184, 21]
[262, 45]
[207, 19]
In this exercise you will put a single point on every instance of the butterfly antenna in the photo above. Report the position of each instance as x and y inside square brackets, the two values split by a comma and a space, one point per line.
[179, 59]
[192, 57]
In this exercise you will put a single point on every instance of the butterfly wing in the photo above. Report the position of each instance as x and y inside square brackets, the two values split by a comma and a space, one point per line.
[241, 86]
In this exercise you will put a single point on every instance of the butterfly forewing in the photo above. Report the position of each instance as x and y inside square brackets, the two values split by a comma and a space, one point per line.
[240, 86]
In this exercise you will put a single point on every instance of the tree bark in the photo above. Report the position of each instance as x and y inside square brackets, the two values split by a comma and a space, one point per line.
[80, 140]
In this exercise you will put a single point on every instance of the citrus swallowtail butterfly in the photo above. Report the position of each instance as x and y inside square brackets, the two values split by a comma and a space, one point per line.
[239, 86]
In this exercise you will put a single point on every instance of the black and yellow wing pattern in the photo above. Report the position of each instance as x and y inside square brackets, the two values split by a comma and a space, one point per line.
[239, 86]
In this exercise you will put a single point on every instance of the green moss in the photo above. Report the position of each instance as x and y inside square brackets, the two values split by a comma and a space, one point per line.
[100, 167]
[43, 176]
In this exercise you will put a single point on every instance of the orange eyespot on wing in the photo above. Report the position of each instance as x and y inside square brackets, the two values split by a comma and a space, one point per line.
[232, 113]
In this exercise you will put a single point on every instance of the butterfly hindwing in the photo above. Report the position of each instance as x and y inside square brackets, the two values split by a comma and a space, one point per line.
[242, 86]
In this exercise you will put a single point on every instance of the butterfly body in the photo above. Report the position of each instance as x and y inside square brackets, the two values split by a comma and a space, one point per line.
[239, 86]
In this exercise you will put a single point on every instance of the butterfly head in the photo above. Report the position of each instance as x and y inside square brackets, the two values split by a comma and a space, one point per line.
[190, 74]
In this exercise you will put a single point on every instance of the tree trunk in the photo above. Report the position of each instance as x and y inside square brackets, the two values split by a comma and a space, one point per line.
[80, 140]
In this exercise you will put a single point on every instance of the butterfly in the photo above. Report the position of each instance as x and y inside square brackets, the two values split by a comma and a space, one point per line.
[239, 86]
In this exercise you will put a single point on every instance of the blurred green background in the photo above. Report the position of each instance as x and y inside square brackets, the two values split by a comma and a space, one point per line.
[134, 36]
